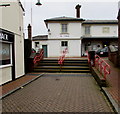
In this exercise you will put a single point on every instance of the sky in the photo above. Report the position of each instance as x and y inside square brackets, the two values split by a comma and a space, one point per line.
[91, 9]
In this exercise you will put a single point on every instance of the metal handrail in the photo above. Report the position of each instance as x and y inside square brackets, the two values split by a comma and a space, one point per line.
[102, 66]
[61, 58]
[38, 57]
[88, 57]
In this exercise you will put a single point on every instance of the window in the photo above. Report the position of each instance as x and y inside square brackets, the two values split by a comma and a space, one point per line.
[64, 28]
[5, 53]
[64, 43]
[87, 30]
[36, 44]
[106, 29]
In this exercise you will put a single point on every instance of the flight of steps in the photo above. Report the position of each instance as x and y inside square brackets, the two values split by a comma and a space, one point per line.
[70, 66]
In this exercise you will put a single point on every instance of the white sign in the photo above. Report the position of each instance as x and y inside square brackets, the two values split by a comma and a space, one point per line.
[64, 35]
[3, 36]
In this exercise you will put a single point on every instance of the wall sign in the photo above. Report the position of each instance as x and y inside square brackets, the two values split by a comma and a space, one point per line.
[64, 35]
[3, 36]
[6, 42]
[6, 36]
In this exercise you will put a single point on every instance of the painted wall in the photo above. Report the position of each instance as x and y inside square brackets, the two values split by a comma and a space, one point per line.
[55, 49]
[97, 30]
[75, 48]
[12, 20]
[73, 36]
[12, 17]
[19, 56]
[74, 31]
[5, 74]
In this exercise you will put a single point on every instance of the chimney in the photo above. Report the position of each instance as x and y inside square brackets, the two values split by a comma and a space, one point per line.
[78, 10]
[29, 32]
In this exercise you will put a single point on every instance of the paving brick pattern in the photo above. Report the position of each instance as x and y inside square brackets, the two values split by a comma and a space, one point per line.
[17, 83]
[58, 93]
[113, 80]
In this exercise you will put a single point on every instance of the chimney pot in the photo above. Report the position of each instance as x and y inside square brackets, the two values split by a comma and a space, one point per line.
[29, 32]
[78, 10]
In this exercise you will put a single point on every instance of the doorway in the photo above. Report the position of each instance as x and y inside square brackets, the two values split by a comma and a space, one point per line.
[44, 47]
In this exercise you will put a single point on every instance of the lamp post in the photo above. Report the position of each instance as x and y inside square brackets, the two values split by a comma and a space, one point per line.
[28, 43]
[38, 3]
[30, 26]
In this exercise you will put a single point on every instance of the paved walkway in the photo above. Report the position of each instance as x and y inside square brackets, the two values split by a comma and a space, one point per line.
[14, 85]
[58, 93]
[113, 80]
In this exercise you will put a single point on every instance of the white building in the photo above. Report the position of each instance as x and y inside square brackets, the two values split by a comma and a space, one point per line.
[98, 34]
[76, 34]
[11, 41]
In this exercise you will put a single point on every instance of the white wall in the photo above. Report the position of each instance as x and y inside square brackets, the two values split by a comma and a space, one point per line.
[55, 49]
[74, 48]
[97, 30]
[5, 75]
[12, 17]
[19, 56]
[74, 31]
[12, 20]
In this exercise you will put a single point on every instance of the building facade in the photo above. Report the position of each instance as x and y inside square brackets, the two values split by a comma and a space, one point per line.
[76, 34]
[11, 41]
[98, 34]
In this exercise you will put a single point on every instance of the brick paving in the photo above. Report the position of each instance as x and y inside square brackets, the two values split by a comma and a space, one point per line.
[58, 93]
[17, 83]
[113, 80]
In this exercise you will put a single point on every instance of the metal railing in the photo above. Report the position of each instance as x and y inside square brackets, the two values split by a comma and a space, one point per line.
[38, 57]
[61, 58]
[102, 66]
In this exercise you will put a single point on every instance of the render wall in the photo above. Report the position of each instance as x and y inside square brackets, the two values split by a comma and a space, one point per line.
[74, 31]
[55, 49]
[96, 30]
[12, 21]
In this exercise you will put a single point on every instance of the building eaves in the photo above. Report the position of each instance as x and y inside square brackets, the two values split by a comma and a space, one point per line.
[21, 5]
[64, 19]
[90, 38]
[40, 37]
[100, 22]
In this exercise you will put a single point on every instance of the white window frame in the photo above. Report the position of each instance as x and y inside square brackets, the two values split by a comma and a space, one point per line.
[64, 28]
[87, 30]
[64, 44]
[37, 44]
[11, 62]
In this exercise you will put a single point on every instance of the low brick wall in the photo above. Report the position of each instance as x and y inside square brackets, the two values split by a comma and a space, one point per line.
[98, 77]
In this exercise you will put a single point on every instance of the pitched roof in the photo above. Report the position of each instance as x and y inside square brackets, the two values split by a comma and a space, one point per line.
[64, 19]
[40, 37]
[21, 5]
[100, 22]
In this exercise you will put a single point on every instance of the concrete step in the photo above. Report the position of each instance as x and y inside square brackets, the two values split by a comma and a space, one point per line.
[65, 64]
[64, 61]
[63, 67]
[69, 66]
[62, 70]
